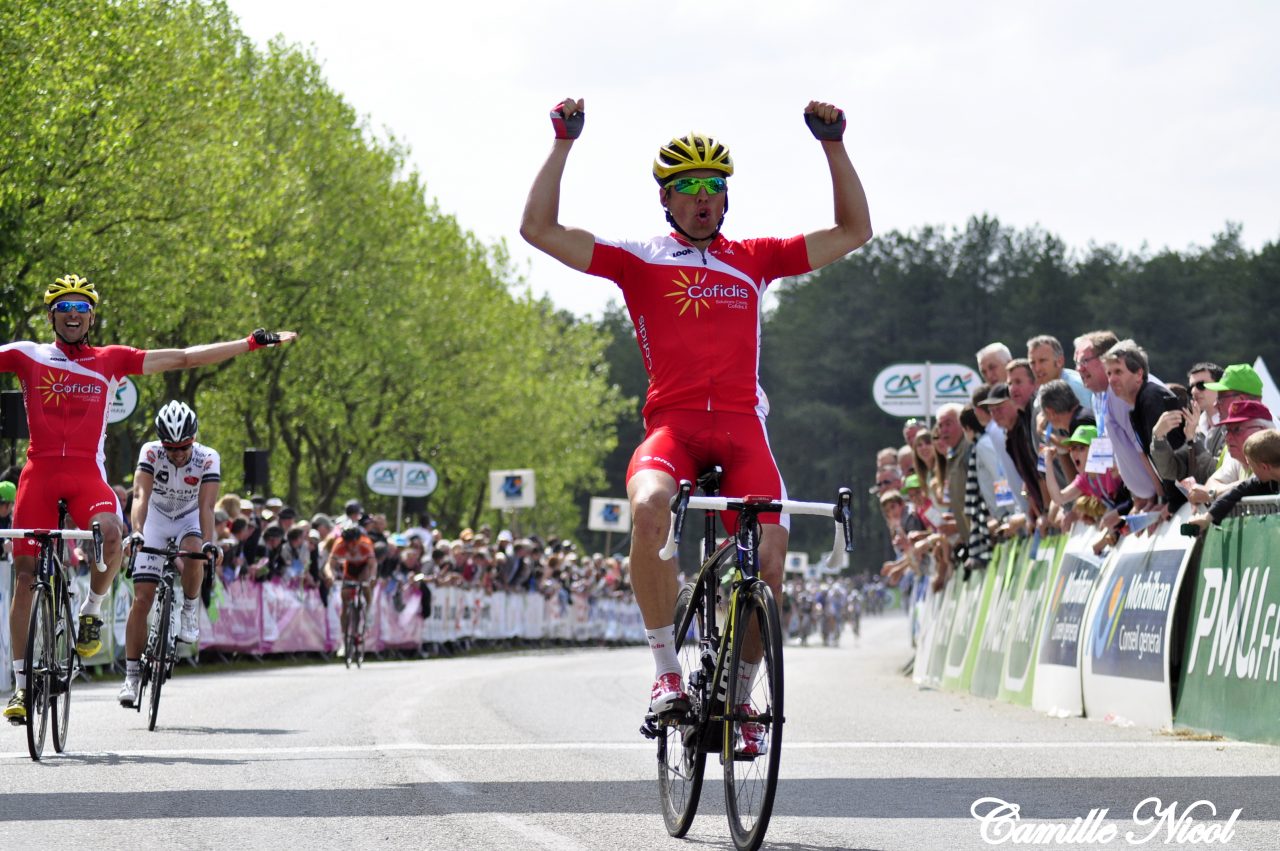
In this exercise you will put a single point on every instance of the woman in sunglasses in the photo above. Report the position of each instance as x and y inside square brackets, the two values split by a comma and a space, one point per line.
[66, 386]
[694, 299]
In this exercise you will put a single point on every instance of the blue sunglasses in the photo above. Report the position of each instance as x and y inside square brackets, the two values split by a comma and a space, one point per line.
[72, 307]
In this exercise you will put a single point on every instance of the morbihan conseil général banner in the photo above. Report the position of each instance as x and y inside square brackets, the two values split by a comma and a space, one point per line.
[1125, 659]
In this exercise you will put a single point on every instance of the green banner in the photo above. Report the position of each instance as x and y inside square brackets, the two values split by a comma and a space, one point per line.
[990, 661]
[1027, 619]
[966, 633]
[1230, 681]
[940, 630]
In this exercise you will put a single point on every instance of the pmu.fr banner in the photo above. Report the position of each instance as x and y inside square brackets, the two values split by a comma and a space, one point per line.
[1130, 620]
[1057, 685]
[1230, 676]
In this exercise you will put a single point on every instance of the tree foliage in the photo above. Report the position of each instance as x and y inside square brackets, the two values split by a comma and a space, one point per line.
[209, 187]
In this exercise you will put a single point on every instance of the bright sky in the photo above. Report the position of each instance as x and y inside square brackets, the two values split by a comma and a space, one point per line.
[1127, 123]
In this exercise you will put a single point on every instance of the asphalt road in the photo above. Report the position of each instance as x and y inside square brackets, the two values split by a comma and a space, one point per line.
[541, 750]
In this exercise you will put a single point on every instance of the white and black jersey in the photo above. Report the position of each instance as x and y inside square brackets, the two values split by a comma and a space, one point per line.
[175, 491]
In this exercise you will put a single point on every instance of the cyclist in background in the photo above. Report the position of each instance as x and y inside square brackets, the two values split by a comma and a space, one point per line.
[353, 553]
[175, 489]
[694, 299]
[66, 385]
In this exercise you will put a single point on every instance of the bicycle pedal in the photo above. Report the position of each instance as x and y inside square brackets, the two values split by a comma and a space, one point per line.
[649, 729]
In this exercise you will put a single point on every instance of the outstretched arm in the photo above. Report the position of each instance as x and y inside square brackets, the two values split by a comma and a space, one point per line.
[540, 225]
[852, 218]
[162, 360]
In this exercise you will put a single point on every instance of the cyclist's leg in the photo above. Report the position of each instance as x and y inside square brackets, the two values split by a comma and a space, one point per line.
[35, 507]
[652, 579]
[135, 633]
[192, 569]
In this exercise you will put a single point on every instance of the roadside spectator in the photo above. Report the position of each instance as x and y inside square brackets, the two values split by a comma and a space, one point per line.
[953, 440]
[1020, 437]
[1065, 413]
[992, 359]
[1048, 363]
[1089, 349]
[1261, 451]
[996, 485]
[1146, 401]
[1247, 419]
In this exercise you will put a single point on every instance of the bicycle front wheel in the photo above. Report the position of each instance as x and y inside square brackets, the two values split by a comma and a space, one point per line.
[64, 654]
[358, 632]
[39, 661]
[681, 758]
[159, 653]
[753, 740]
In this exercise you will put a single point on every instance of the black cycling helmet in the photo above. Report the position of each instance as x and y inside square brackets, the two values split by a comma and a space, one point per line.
[351, 533]
[176, 424]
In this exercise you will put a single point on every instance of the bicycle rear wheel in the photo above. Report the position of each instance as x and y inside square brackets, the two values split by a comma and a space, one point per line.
[39, 661]
[159, 652]
[64, 654]
[681, 758]
[754, 732]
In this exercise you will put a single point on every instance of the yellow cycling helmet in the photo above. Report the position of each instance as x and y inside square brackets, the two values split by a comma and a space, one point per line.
[687, 153]
[70, 285]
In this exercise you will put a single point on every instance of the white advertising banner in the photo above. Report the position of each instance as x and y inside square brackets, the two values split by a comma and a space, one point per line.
[919, 389]
[1057, 688]
[511, 489]
[1125, 658]
[609, 515]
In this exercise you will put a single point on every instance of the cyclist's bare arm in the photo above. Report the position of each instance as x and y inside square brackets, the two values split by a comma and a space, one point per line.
[162, 360]
[142, 483]
[208, 500]
[540, 225]
[852, 218]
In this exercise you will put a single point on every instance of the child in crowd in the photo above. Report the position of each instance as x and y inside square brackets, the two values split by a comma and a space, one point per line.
[1262, 451]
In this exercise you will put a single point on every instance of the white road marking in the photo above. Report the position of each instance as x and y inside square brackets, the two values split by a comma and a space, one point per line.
[516, 747]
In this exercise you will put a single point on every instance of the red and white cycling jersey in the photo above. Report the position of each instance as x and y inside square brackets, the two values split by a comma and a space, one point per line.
[697, 315]
[175, 491]
[67, 390]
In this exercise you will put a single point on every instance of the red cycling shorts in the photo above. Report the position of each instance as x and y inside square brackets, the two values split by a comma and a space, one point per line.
[683, 444]
[82, 482]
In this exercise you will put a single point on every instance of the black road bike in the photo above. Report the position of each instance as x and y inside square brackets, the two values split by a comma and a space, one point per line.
[51, 660]
[724, 619]
[160, 655]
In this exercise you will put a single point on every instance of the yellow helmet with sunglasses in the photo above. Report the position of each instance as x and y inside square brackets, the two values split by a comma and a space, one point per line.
[70, 285]
[689, 153]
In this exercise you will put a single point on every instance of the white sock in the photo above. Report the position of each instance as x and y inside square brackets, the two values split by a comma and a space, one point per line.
[662, 643]
[132, 669]
[746, 676]
[19, 673]
[92, 604]
[189, 603]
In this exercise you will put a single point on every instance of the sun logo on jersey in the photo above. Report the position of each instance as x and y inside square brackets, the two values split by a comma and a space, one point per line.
[56, 386]
[687, 293]
[51, 387]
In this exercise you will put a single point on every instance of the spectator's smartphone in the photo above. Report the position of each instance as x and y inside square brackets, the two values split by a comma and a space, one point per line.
[1171, 403]
[1191, 530]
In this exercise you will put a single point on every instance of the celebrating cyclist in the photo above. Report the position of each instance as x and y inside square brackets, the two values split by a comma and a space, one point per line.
[175, 489]
[353, 553]
[694, 299]
[66, 385]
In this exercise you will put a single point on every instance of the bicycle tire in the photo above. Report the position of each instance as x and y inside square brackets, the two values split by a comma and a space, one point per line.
[160, 656]
[681, 758]
[751, 782]
[64, 649]
[357, 632]
[38, 659]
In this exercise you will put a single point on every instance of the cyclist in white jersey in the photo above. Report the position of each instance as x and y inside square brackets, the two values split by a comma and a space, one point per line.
[175, 489]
